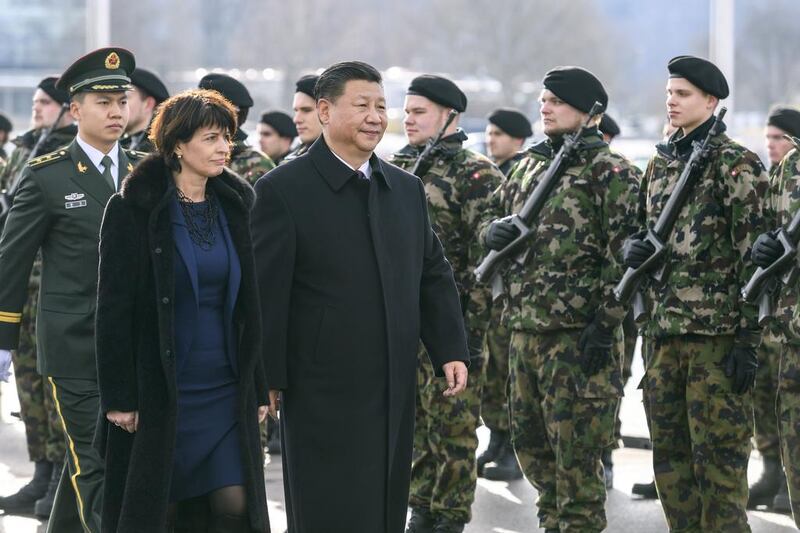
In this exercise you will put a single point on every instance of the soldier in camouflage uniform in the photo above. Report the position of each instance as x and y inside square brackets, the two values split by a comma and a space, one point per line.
[704, 336]
[148, 92]
[458, 183]
[770, 490]
[305, 117]
[5, 130]
[246, 161]
[43, 432]
[565, 373]
[505, 135]
[765, 251]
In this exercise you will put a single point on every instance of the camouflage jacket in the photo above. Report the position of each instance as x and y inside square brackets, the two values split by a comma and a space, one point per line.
[508, 165]
[708, 253]
[137, 141]
[458, 184]
[297, 152]
[248, 162]
[573, 260]
[24, 145]
[785, 179]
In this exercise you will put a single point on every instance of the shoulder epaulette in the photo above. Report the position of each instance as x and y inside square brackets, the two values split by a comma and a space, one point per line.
[46, 159]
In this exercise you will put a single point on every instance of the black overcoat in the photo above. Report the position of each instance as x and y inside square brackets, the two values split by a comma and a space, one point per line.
[351, 277]
[136, 347]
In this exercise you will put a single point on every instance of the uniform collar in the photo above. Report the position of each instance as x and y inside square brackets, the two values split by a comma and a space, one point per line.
[96, 156]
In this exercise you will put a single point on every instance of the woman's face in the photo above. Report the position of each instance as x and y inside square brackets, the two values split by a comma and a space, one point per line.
[206, 153]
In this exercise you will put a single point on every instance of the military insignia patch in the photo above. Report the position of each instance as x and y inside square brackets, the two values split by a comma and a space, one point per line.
[112, 61]
[73, 205]
[74, 196]
[130, 167]
[81, 168]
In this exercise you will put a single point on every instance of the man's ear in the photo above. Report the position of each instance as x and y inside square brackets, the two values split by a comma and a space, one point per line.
[324, 111]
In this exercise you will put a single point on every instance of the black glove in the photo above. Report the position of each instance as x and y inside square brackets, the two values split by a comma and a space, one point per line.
[741, 362]
[500, 234]
[636, 250]
[595, 346]
[767, 249]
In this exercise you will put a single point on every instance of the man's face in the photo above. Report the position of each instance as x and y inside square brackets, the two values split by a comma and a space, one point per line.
[44, 110]
[688, 106]
[423, 119]
[500, 145]
[271, 142]
[140, 110]
[357, 118]
[3, 138]
[777, 145]
[558, 117]
[305, 118]
[101, 117]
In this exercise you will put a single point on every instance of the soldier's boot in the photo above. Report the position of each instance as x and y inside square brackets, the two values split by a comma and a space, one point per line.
[647, 491]
[445, 525]
[496, 439]
[608, 468]
[24, 500]
[274, 437]
[766, 488]
[44, 505]
[781, 503]
[421, 521]
[505, 466]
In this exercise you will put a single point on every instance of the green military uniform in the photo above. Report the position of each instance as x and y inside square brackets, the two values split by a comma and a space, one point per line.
[457, 183]
[58, 208]
[562, 418]
[248, 162]
[699, 427]
[787, 203]
[44, 436]
[494, 400]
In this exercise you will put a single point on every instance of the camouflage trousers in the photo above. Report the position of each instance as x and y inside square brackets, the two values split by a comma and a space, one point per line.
[765, 395]
[561, 420]
[443, 472]
[788, 407]
[43, 432]
[494, 400]
[700, 432]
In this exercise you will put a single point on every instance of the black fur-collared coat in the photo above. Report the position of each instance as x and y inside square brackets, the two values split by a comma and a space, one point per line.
[136, 350]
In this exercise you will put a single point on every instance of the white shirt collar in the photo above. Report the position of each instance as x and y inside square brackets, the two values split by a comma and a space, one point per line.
[96, 156]
[365, 168]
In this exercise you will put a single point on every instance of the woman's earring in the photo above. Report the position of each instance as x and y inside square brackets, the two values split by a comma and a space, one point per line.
[179, 156]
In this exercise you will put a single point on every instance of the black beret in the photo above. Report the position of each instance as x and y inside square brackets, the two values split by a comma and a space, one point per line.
[281, 122]
[48, 85]
[700, 72]
[150, 83]
[103, 70]
[786, 119]
[229, 87]
[576, 86]
[5, 124]
[609, 126]
[306, 84]
[439, 90]
[511, 121]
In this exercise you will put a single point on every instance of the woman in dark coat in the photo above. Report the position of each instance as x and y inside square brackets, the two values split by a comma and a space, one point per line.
[182, 384]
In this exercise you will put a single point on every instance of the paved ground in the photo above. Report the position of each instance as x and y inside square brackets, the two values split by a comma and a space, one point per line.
[499, 507]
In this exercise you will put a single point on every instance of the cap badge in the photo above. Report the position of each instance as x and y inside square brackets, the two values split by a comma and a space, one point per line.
[112, 61]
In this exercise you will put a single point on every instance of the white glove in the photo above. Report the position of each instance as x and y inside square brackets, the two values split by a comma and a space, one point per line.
[5, 364]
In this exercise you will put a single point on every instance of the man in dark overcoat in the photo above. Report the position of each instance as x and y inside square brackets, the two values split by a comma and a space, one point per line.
[351, 276]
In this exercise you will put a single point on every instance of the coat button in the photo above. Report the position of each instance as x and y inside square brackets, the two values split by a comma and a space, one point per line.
[165, 300]
[157, 250]
[168, 353]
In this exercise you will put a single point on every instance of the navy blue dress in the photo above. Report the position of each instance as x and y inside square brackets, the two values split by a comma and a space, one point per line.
[208, 451]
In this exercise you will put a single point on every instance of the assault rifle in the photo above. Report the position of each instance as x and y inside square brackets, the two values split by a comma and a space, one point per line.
[764, 282]
[419, 169]
[525, 220]
[628, 287]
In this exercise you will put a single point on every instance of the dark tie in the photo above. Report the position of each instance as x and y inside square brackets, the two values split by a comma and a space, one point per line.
[106, 162]
[362, 185]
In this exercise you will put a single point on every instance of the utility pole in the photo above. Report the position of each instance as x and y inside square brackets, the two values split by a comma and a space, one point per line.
[98, 24]
[721, 43]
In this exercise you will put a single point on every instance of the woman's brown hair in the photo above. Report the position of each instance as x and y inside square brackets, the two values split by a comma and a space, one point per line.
[181, 115]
